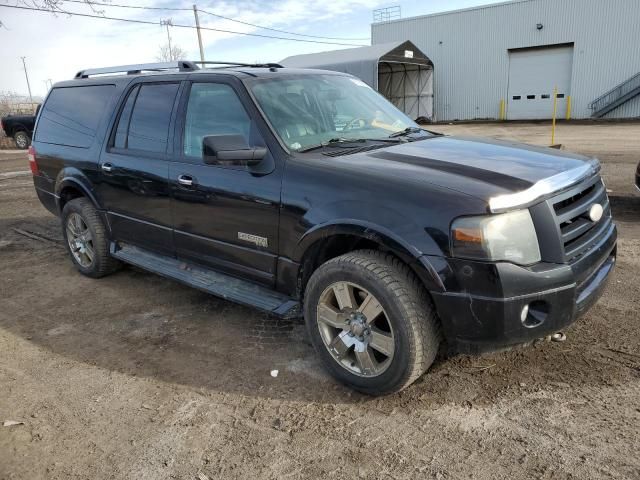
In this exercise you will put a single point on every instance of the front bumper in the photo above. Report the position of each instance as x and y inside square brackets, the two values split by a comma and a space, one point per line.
[482, 306]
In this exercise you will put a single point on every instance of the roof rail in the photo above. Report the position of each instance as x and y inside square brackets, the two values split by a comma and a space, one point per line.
[236, 64]
[181, 65]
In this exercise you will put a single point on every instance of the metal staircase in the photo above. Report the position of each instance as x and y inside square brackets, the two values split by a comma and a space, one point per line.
[616, 96]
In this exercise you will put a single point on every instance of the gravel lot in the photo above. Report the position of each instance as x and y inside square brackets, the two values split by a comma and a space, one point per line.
[134, 376]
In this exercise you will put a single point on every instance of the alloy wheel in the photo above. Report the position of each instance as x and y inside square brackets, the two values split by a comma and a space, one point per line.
[355, 329]
[22, 141]
[80, 240]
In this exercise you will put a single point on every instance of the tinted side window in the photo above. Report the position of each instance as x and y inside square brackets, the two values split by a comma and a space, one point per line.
[71, 115]
[148, 128]
[213, 109]
[120, 140]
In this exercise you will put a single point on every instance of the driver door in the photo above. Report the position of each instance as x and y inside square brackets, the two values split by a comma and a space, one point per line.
[225, 216]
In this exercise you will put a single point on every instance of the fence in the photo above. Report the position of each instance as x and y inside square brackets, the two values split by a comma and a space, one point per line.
[15, 108]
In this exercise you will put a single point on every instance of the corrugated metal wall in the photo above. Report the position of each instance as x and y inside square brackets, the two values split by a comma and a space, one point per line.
[469, 49]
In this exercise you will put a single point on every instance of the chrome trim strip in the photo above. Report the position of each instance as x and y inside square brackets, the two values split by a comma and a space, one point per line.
[543, 188]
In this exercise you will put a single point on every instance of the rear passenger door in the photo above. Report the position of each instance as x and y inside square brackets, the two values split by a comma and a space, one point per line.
[134, 168]
[225, 216]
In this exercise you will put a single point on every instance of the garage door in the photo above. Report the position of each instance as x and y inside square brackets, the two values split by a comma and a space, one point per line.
[533, 74]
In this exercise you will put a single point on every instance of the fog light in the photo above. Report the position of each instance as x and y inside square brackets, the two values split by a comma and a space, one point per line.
[534, 314]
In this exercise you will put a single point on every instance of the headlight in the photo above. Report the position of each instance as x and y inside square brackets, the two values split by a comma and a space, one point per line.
[508, 237]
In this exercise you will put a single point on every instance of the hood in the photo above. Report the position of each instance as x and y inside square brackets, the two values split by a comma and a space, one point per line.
[478, 167]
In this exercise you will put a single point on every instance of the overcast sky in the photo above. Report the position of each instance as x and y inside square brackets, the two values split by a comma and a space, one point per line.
[57, 46]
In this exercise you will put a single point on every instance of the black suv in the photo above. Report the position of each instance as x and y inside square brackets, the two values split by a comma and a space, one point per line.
[304, 192]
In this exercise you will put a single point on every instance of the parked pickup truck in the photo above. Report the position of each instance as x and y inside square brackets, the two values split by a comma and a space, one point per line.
[306, 193]
[20, 127]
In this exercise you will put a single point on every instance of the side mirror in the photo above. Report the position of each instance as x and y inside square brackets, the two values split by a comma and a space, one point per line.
[230, 149]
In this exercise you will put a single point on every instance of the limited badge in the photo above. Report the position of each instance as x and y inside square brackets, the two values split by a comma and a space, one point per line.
[255, 239]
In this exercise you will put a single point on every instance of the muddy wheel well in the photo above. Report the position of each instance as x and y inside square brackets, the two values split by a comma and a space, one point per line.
[328, 248]
[69, 193]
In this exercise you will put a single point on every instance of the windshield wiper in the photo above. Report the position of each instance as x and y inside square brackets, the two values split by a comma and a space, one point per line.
[331, 142]
[407, 131]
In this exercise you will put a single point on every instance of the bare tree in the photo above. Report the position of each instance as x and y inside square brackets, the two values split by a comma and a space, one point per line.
[55, 6]
[12, 102]
[168, 54]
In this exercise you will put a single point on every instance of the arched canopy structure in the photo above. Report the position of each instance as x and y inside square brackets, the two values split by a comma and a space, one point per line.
[398, 70]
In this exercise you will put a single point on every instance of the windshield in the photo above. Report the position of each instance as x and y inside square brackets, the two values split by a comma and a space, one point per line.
[309, 110]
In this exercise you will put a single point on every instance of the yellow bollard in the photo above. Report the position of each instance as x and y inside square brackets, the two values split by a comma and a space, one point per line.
[502, 115]
[568, 117]
[553, 118]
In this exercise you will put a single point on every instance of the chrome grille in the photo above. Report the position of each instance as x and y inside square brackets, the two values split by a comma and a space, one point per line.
[578, 232]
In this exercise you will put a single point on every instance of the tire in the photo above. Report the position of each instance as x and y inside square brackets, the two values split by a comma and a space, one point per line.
[403, 322]
[99, 263]
[22, 140]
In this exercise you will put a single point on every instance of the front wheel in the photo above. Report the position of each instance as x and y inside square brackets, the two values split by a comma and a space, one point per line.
[22, 140]
[371, 322]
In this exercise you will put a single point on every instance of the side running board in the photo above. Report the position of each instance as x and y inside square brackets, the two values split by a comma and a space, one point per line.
[209, 281]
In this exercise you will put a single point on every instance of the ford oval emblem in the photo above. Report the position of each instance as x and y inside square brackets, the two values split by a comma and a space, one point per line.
[595, 212]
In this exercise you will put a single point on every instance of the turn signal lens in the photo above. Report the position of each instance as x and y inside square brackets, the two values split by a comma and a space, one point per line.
[467, 235]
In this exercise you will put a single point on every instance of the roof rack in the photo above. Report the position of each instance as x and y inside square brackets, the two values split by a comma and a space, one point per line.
[236, 64]
[181, 65]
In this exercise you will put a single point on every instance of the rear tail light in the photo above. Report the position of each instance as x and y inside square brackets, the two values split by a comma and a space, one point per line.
[32, 161]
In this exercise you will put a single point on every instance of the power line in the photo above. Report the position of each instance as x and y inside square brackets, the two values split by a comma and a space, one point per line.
[138, 7]
[276, 29]
[147, 22]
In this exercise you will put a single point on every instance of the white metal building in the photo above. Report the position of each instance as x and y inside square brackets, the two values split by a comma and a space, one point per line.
[506, 59]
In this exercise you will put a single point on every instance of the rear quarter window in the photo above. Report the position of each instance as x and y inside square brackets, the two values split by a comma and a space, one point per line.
[71, 115]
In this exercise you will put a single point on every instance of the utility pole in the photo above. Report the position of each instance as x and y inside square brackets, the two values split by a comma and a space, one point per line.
[167, 23]
[195, 13]
[27, 77]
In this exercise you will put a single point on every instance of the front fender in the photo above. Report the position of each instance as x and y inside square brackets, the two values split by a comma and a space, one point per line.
[390, 241]
[369, 217]
[363, 229]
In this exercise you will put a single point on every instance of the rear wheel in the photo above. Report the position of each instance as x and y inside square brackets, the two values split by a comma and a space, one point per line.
[22, 140]
[86, 239]
[371, 321]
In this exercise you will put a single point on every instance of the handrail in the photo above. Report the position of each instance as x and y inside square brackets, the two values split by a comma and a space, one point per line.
[616, 93]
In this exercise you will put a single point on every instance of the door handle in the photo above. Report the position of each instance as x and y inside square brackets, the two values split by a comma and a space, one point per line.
[107, 167]
[186, 180]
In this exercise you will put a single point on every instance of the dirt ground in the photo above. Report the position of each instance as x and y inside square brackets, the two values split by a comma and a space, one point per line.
[136, 377]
